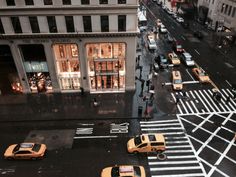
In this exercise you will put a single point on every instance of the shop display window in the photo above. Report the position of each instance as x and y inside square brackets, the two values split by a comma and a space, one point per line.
[68, 66]
[106, 65]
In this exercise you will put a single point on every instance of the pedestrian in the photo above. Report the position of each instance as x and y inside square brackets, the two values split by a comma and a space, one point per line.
[228, 99]
[162, 84]
[82, 90]
[177, 100]
[95, 103]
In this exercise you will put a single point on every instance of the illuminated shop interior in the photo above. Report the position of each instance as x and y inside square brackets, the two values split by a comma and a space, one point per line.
[106, 66]
[67, 66]
[36, 68]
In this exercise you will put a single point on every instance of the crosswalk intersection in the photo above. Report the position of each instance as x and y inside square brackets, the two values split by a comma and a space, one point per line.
[181, 160]
[201, 101]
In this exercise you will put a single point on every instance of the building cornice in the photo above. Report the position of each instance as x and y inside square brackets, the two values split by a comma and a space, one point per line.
[67, 35]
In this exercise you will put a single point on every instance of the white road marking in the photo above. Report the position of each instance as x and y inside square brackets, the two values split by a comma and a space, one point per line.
[196, 51]
[176, 147]
[192, 94]
[91, 137]
[174, 157]
[228, 83]
[181, 175]
[183, 38]
[206, 100]
[190, 75]
[165, 128]
[194, 106]
[183, 106]
[84, 131]
[212, 101]
[160, 125]
[218, 103]
[175, 142]
[203, 122]
[173, 162]
[174, 137]
[201, 100]
[158, 121]
[178, 151]
[175, 168]
[189, 107]
[231, 100]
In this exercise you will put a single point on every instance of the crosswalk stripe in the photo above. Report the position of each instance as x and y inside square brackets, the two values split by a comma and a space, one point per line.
[160, 125]
[212, 101]
[178, 151]
[174, 147]
[192, 94]
[231, 103]
[200, 92]
[182, 104]
[158, 121]
[175, 168]
[176, 142]
[181, 175]
[194, 106]
[228, 91]
[177, 104]
[173, 162]
[226, 104]
[189, 107]
[165, 128]
[169, 138]
[219, 103]
[201, 100]
[174, 157]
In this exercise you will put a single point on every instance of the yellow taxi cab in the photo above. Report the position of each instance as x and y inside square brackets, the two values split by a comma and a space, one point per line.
[147, 143]
[177, 80]
[25, 151]
[123, 170]
[174, 59]
[201, 75]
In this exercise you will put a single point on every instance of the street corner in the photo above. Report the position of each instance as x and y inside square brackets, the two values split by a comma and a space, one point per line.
[54, 139]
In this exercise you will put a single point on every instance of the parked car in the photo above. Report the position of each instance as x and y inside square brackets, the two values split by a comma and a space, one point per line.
[198, 34]
[177, 81]
[187, 59]
[162, 61]
[174, 15]
[180, 19]
[124, 171]
[163, 29]
[201, 75]
[152, 42]
[25, 151]
[155, 68]
[177, 47]
[147, 143]
[169, 11]
[174, 59]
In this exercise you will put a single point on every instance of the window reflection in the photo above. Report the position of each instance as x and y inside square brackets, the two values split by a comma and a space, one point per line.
[106, 62]
[68, 68]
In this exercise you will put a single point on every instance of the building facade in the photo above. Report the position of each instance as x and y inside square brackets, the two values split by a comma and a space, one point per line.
[66, 45]
[218, 13]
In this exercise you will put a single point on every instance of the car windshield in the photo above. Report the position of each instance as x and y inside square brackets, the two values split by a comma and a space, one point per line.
[177, 81]
[163, 60]
[17, 147]
[115, 172]
[137, 171]
[188, 58]
[36, 147]
[201, 74]
[137, 140]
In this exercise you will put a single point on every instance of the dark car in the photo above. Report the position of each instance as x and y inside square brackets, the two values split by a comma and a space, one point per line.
[198, 34]
[177, 47]
[162, 61]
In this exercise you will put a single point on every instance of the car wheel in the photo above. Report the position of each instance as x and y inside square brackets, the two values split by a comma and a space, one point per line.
[153, 149]
[159, 151]
[135, 152]
[33, 158]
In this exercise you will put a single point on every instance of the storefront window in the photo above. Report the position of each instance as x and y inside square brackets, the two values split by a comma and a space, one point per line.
[106, 62]
[67, 63]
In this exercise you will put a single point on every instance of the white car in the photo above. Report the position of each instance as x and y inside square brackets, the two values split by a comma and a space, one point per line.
[187, 59]
[180, 19]
[163, 29]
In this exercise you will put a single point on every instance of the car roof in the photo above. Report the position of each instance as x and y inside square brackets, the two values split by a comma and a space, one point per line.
[186, 54]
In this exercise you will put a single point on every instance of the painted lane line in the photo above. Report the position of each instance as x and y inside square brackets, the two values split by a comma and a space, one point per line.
[214, 167]
[173, 162]
[229, 130]
[175, 168]
[183, 37]
[174, 157]
[156, 129]
[228, 117]
[181, 175]
[228, 83]
[190, 75]
[178, 151]
[190, 82]
[211, 93]
[174, 133]
[231, 100]
[206, 100]
[203, 122]
[194, 106]
[194, 151]
[234, 102]
[227, 103]
[192, 94]
[206, 130]
[158, 121]
[160, 125]
[174, 138]
[176, 142]
[177, 104]
[189, 107]
[179, 146]
[212, 101]
[205, 118]
[196, 51]
[201, 100]
[91, 137]
[182, 104]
